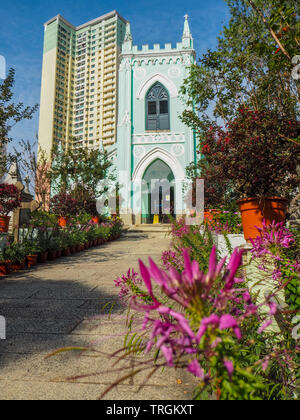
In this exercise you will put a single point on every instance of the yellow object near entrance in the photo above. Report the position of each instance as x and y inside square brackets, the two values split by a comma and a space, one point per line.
[156, 219]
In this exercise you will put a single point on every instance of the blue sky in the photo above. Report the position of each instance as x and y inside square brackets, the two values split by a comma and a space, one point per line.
[155, 21]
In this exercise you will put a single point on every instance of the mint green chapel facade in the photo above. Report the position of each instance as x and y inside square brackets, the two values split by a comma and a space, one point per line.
[152, 141]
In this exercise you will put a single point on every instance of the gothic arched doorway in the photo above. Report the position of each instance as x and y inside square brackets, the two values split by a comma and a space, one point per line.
[158, 193]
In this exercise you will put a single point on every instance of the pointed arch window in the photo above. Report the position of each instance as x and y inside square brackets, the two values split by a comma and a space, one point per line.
[157, 108]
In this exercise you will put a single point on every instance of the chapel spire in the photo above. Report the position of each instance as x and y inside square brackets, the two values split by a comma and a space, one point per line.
[187, 39]
[127, 43]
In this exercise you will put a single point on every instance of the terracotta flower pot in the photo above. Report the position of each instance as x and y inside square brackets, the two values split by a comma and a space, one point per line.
[4, 223]
[31, 260]
[18, 266]
[73, 249]
[42, 258]
[58, 253]
[66, 252]
[62, 221]
[3, 269]
[51, 255]
[255, 210]
[9, 266]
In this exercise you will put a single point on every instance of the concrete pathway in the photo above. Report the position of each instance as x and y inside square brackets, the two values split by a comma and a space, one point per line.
[50, 307]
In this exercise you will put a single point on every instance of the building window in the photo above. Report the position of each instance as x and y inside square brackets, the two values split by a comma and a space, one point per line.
[157, 108]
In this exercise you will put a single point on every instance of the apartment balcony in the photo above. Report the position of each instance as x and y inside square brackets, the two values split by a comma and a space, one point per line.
[109, 51]
[109, 78]
[108, 93]
[108, 137]
[108, 100]
[108, 89]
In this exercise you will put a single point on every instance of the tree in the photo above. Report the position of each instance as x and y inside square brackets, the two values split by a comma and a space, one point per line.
[247, 69]
[10, 114]
[79, 172]
[36, 168]
[250, 154]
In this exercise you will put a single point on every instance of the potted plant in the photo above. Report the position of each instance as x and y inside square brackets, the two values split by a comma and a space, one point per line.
[43, 225]
[253, 156]
[4, 269]
[32, 249]
[43, 246]
[72, 242]
[59, 248]
[10, 199]
[5, 259]
[64, 206]
[64, 243]
[15, 256]
[52, 249]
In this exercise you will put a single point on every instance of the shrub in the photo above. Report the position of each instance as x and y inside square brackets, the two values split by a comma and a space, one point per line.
[64, 205]
[10, 198]
[253, 155]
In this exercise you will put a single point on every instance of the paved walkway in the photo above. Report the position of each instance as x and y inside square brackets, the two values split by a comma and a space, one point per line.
[50, 307]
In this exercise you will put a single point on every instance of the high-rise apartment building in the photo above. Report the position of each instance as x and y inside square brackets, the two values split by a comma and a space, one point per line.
[80, 82]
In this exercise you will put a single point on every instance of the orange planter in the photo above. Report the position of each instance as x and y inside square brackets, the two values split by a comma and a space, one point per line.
[62, 221]
[58, 253]
[31, 260]
[18, 266]
[255, 210]
[4, 223]
[51, 255]
[66, 252]
[42, 258]
[3, 269]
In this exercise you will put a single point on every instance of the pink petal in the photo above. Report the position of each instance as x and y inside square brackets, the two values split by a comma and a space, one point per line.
[264, 326]
[227, 321]
[212, 320]
[212, 263]
[196, 369]
[187, 266]
[273, 308]
[146, 277]
[168, 353]
[156, 273]
[229, 366]
[197, 274]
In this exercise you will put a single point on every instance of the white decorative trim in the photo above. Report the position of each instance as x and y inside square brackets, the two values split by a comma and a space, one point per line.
[139, 152]
[166, 157]
[158, 77]
[125, 64]
[174, 72]
[139, 73]
[154, 138]
[177, 150]
[126, 121]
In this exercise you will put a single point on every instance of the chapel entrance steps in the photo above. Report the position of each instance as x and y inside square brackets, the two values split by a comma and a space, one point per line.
[147, 230]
